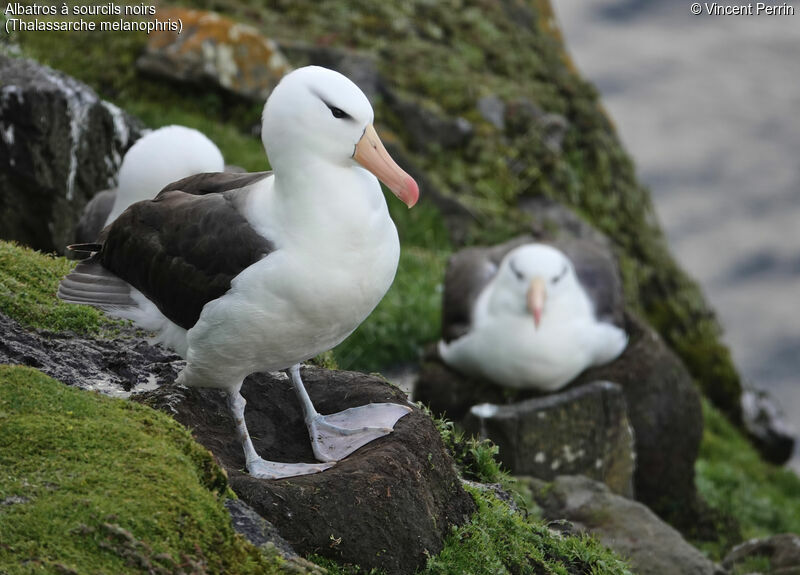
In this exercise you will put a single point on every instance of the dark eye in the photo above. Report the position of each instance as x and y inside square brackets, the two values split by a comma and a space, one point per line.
[560, 276]
[338, 112]
[514, 269]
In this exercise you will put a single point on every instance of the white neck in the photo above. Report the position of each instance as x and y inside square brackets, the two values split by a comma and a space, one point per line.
[322, 206]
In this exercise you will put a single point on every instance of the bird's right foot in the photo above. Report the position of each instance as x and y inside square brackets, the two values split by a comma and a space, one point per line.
[264, 469]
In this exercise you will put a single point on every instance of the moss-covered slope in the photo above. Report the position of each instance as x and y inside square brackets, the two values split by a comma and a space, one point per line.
[90, 485]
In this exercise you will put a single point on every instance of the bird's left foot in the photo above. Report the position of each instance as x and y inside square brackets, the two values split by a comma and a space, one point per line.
[337, 435]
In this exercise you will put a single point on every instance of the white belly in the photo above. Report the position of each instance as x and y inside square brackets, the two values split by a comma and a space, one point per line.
[512, 353]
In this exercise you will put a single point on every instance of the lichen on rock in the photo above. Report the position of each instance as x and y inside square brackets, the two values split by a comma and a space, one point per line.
[214, 49]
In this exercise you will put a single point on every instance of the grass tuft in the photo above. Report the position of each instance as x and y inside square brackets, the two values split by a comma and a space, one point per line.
[475, 458]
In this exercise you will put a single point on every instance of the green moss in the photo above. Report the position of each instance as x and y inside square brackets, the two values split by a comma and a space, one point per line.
[28, 284]
[734, 481]
[476, 459]
[236, 147]
[91, 484]
[497, 541]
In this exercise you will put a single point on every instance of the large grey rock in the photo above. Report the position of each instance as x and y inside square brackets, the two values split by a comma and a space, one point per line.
[59, 144]
[781, 551]
[386, 506]
[120, 366]
[627, 527]
[584, 430]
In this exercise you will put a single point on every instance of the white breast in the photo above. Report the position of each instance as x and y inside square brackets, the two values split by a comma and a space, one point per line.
[325, 277]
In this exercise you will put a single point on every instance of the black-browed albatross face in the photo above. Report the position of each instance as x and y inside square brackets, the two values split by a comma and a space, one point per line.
[530, 278]
[316, 114]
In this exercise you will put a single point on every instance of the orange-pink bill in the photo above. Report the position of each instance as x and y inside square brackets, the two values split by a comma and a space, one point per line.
[371, 154]
[536, 297]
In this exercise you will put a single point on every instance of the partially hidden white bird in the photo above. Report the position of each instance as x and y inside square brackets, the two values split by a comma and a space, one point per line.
[242, 273]
[533, 325]
[158, 158]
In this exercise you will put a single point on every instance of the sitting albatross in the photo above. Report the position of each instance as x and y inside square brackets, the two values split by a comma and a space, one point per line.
[156, 159]
[533, 325]
[242, 273]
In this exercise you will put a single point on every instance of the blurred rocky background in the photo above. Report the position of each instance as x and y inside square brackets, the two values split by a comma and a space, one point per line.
[711, 122]
[656, 455]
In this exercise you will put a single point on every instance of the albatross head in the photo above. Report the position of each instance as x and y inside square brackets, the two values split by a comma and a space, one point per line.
[319, 113]
[531, 278]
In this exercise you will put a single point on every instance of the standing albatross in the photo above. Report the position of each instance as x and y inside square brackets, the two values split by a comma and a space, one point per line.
[242, 273]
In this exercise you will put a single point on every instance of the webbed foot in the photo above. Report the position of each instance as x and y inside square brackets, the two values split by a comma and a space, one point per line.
[337, 435]
[264, 469]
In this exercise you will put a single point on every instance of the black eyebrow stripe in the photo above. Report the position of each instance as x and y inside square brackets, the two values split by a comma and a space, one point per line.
[561, 275]
[331, 106]
[514, 269]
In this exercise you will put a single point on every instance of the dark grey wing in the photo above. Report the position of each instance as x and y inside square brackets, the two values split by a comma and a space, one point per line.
[215, 182]
[597, 271]
[180, 250]
[468, 273]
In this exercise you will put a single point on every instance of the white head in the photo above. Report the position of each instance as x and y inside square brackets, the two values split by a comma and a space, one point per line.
[316, 114]
[534, 278]
[159, 158]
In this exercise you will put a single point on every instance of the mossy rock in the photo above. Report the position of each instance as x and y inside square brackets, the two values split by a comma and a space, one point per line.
[92, 484]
